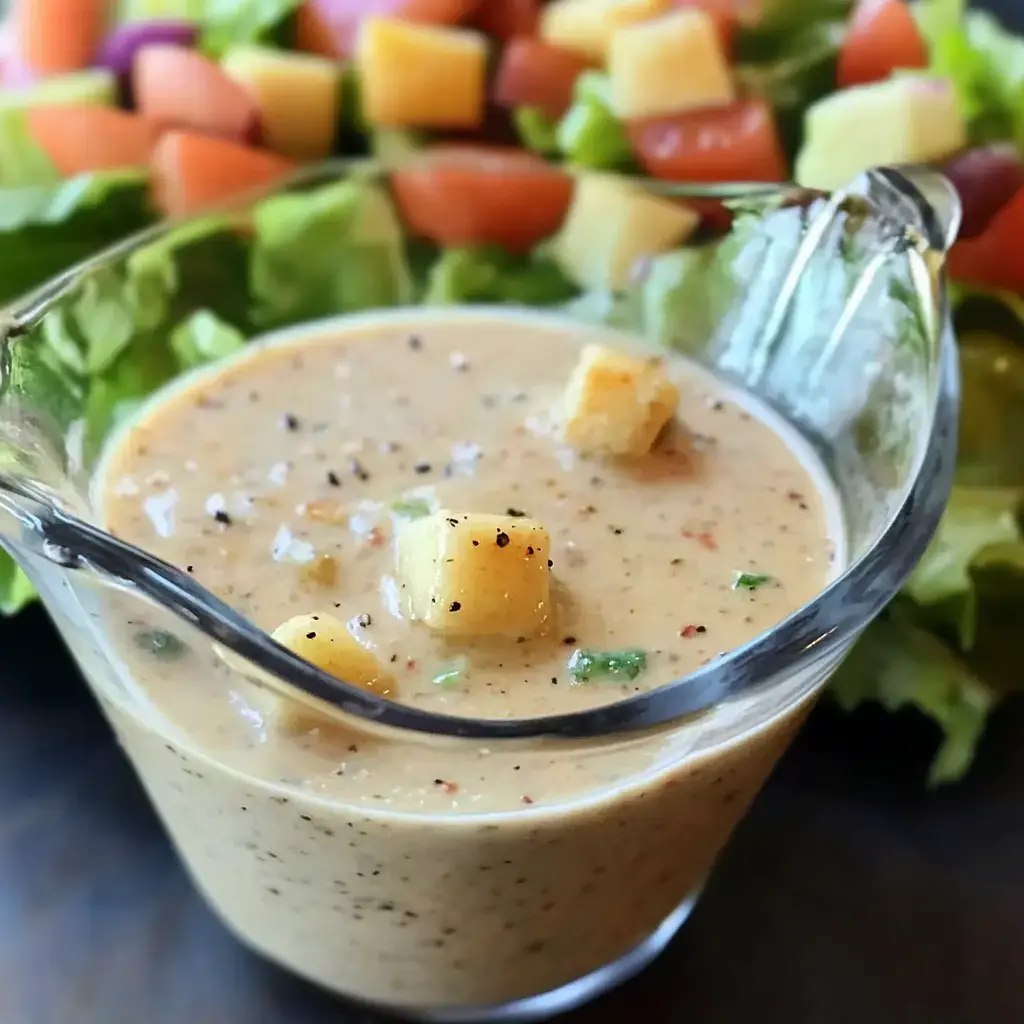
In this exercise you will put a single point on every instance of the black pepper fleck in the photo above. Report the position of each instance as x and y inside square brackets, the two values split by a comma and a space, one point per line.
[364, 620]
[515, 513]
[421, 467]
[455, 606]
[415, 342]
[311, 636]
[358, 470]
[502, 540]
[290, 421]
[333, 479]
[222, 517]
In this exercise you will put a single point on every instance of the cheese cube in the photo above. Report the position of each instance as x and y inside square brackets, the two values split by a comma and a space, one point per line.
[906, 120]
[326, 642]
[614, 223]
[668, 66]
[474, 574]
[587, 25]
[617, 404]
[298, 96]
[421, 76]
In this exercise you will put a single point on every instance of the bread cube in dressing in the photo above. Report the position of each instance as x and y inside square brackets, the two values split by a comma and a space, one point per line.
[616, 403]
[323, 641]
[475, 574]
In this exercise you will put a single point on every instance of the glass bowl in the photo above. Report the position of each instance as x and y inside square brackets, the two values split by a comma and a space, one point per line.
[828, 308]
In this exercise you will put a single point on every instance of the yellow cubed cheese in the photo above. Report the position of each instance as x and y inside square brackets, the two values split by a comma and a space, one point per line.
[324, 641]
[668, 66]
[617, 404]
[611, 225]
[421, 76]
[474, 574]
[298, 96]
[906, 120]
[587, 25]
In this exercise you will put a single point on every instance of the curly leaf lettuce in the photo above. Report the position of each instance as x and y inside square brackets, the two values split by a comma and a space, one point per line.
[898, 664]
[44, 229]
[490, 274]
[589, 135]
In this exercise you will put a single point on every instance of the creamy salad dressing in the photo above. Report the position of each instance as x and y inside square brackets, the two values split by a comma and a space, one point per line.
[279, 480]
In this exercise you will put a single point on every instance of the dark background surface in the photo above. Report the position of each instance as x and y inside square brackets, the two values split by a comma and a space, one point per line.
[849, 896]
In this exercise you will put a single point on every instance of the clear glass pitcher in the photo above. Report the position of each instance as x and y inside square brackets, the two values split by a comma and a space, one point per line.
[830, 309]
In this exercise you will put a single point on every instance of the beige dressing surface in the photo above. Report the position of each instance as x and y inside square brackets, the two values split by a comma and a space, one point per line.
[279, 480]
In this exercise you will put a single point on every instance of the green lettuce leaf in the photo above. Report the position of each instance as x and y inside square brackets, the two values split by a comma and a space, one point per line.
[992, 410]
[537, 132]
[900, 665]
[228, 22]
[685, 294]
[997, 597]
[204, 338]
[16, 589]
[336, 249]
[491, 274]
[116, 396]
[203, 264]
[589, 135]
[985, 63]
[974, 518]
[45, 229]
[952, 641]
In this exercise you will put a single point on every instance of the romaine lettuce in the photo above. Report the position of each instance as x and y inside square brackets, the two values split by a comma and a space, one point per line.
[488, 274]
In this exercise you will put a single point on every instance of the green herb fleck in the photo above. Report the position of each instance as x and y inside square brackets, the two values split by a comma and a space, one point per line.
[411, 508]
[451, 674]
[585, 665]
[751, 580]
[161, 644]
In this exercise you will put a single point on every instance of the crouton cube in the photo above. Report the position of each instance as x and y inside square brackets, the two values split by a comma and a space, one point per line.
[323, 641]
[474, 574]
[617, 404]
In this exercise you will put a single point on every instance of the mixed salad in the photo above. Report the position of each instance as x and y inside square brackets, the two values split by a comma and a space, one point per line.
[116, 114]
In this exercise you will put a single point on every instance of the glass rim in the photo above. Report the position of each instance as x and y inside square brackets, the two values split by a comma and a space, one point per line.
[824, 625]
